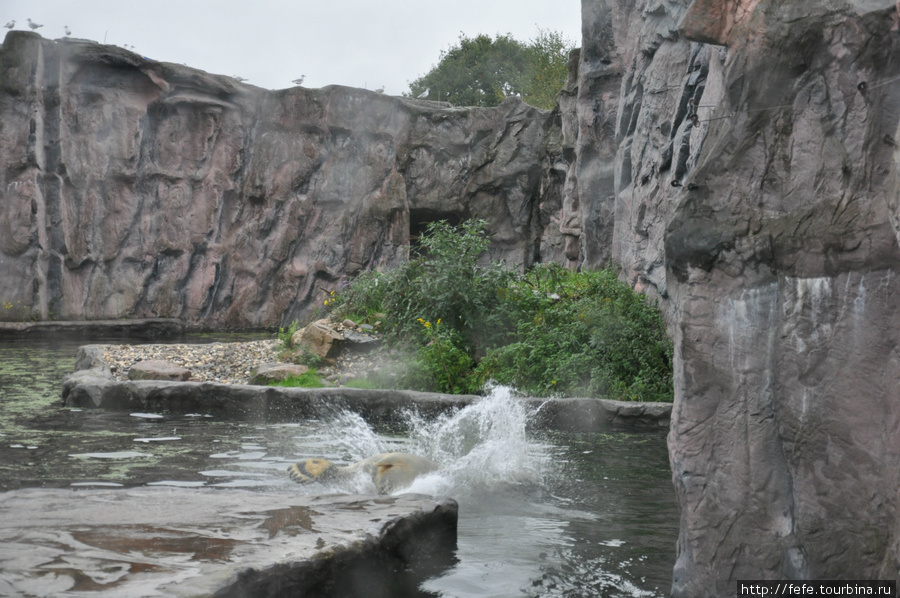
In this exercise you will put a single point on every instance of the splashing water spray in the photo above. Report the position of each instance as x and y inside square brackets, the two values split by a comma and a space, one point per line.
[482, 448]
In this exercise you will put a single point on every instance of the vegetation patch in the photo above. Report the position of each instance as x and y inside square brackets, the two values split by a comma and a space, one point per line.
[310, 379]
[460, 323]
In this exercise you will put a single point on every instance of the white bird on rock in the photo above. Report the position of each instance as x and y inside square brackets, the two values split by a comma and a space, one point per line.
[67, 30]
[33, 25]
[299, 81]
[423, 95]
[10, 25]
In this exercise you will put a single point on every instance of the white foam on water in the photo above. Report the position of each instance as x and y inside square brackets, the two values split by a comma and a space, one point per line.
[481, 448]
[93, 484]
[177, 484]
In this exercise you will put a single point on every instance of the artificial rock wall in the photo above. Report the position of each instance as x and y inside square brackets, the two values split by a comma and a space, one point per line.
[738, 158]
[134, 188]
[752, 184]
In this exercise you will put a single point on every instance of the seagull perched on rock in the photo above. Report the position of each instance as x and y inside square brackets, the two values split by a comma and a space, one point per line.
[67, 30]
[33, 25]
[10, 25]
[380, 89]
[299, 80]
[423, 95]
[238, 79]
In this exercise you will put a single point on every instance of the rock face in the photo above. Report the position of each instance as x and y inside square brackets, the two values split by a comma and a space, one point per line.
[737, 157]
[133, 188]
[753, 185]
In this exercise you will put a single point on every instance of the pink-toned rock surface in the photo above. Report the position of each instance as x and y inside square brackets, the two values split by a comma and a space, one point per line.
[320, 338]
[134, 188]
[768, 227]
[157, 369]
[738, 158]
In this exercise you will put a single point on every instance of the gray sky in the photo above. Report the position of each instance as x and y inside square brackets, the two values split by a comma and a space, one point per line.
[362, 43]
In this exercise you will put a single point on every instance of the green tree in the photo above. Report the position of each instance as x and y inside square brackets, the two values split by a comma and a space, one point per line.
[482, 71]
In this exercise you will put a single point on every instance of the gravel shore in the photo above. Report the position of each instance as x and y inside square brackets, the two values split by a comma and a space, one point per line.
[229, 363]
[232, 363]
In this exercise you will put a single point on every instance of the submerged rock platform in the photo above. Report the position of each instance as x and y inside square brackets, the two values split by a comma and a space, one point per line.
[225, 543]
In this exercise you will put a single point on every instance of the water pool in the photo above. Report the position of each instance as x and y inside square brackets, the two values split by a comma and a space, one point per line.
[542, 513]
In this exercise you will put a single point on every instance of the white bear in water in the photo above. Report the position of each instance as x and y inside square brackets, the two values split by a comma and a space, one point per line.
[389, 471]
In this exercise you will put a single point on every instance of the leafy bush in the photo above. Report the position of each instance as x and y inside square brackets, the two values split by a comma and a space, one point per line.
[583, 333]
[547, 332]
[284, 335]
[445, 361]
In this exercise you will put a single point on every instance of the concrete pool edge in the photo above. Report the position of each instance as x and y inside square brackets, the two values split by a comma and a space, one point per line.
[191, 542]
[93, 386]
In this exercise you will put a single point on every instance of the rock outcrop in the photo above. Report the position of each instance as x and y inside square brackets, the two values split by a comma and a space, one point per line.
[132, 188]
[755, 190]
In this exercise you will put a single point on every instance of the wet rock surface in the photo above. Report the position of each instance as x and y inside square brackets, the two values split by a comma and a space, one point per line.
[187, 542]
[753, 187]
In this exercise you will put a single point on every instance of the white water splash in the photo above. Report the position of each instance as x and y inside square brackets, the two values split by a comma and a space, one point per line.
[481, 448]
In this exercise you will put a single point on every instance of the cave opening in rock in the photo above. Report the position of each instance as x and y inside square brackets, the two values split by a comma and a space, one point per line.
[420, 218]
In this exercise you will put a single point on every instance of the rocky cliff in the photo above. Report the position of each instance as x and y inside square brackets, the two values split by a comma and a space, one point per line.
[738, 158]
[753, 184]
[130, 187]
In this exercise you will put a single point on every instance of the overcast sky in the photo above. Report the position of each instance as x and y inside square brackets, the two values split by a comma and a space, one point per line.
[361, 43]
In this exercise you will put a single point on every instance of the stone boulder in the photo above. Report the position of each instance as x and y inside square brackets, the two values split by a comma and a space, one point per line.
[156, 369]
[277, 372]
[320, 338]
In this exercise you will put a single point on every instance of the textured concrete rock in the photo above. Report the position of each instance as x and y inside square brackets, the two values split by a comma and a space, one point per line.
[756, 189]
[276, 372]
[319, 338]
[155, 369]
[191, 542]
[134, 188]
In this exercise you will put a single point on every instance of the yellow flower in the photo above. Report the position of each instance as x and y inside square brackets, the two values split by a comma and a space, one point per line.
[439, 322]
[427, 324]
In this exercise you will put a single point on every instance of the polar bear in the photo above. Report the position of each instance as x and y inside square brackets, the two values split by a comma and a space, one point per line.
[389, 471]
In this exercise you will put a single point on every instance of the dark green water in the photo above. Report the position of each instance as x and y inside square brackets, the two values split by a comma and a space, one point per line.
[602, 520]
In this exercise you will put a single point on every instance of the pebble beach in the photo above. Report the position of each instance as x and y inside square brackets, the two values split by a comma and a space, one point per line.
[228, 363]
[231, 362]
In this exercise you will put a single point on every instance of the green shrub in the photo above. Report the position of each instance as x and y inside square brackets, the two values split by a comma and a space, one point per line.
[447, 364]
[284, 336]
[584, 333]
[547, 332]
